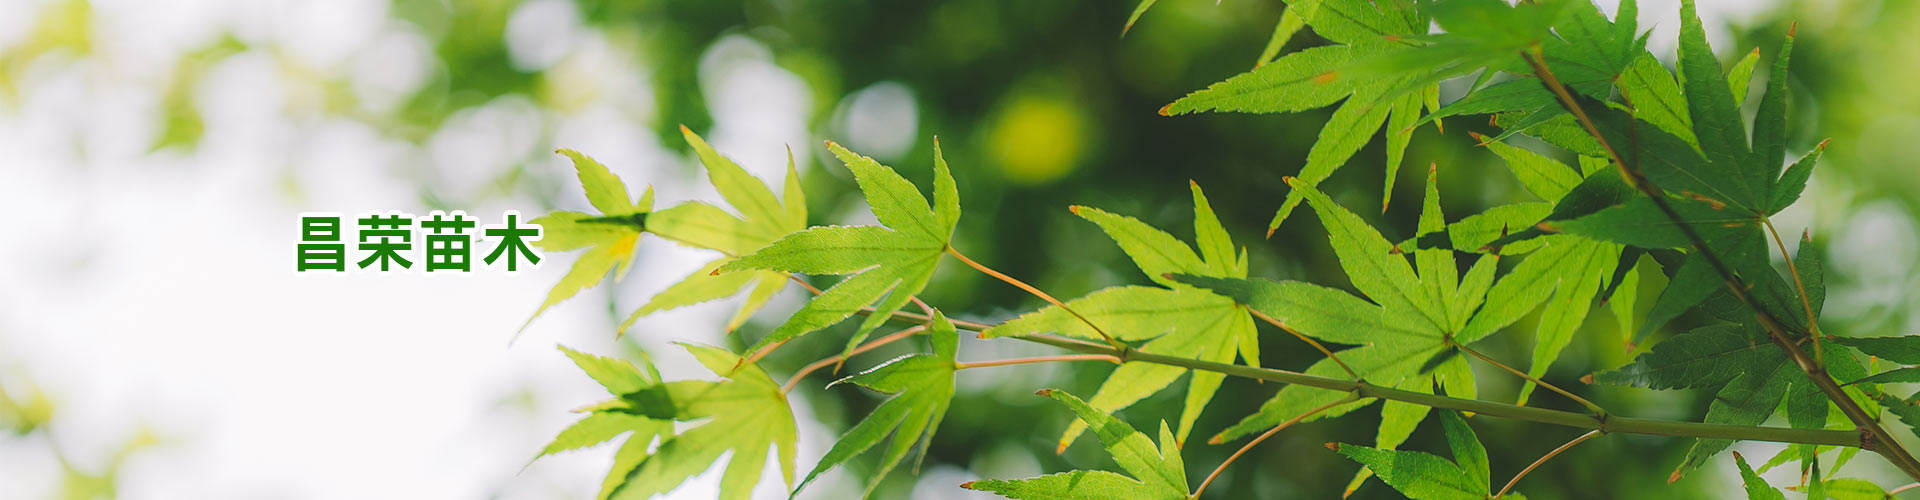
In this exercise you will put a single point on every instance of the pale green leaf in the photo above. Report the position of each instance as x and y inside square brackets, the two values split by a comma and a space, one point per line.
[1157, 473]
[746, 415]
[599, 428]
[1855, 489]
[1155, 252]
[618, 376]
[1369, 260]
[1419, 476]
[604, 190]
[1740, 76]
[1468, 453]
[1545, 177]
[895, 201]
[922, 385]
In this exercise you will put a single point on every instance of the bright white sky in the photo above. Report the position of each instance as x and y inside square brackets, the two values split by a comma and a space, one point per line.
[157, 290]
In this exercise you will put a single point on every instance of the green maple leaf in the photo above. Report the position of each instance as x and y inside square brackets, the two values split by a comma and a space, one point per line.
[1736, 175]
[1157, 474]
[1855, 489]
[1321, 76]
[762, 219]
[618, 377]
[1752, 377]
[609, 237]
[1178, 320]
[922, 385]
[889, 264]
[746, 414]
[1589, 54]
[1405, 334]
[1757, 488]
[1423, 476]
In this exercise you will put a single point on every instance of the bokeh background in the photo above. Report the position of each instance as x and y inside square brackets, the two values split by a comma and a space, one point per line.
[155, 343]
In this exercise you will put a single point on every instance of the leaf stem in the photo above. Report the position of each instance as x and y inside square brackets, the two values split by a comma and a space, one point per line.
[1263, 437]
[1309, 340]
[1873, 436]
[1040, 359]
[837, 359]
[1035, 291]
[1806, 301]
[1596, 409]
[1543, 459]
[1897, 491]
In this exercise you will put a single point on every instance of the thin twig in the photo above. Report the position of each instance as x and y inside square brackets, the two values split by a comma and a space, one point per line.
[837, 359]
[1549, 456]
[1806, 301]
[1035, 291]
[1596, 409]
[1309, 340]
[1041, 359]
[1897, 491]
[1263, 437]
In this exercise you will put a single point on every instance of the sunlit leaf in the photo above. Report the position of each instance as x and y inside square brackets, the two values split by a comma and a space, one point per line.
[889, 264]
[1157, 473]
[922, 385]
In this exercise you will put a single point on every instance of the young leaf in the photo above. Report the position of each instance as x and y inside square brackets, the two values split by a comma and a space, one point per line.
[1157, 474]
[1740, 76]
[922, 385]
[746, 414]
[1180, 320]
[609, 237]
[890, 264]
[763, 219]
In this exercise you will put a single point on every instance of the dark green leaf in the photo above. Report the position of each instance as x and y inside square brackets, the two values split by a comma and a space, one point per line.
[1904, 349]
[1705, 357]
